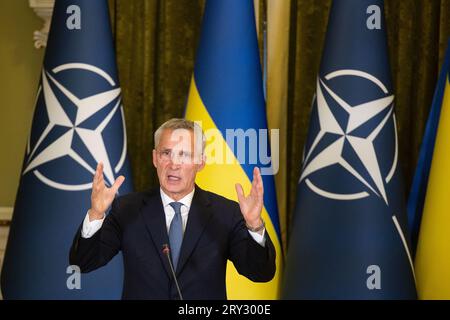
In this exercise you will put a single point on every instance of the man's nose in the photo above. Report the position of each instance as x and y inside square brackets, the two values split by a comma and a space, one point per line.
[174, 162]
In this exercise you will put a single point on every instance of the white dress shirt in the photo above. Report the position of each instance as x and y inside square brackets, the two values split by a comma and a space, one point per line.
[91, 227]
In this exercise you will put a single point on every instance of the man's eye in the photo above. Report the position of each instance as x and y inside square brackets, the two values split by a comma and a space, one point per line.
[166, 152]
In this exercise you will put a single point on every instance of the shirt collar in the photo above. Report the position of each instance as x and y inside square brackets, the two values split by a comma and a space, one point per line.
[186, 200]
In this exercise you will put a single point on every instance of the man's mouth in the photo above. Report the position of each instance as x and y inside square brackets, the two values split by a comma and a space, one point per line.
[173, 178]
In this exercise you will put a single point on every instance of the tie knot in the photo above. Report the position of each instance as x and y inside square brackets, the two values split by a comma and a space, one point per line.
[176, 206]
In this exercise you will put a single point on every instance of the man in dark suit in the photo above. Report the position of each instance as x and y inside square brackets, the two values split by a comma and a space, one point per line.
[202, 229]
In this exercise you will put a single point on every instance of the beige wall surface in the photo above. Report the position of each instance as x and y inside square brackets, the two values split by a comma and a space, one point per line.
[20, 65]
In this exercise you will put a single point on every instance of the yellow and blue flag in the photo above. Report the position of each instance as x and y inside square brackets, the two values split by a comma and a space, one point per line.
[350, 239]
[78, 122]
[226, 97]
[429, 202]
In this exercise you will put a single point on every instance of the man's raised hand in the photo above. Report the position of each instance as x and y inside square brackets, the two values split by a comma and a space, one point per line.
[102, 196]
[251, 205]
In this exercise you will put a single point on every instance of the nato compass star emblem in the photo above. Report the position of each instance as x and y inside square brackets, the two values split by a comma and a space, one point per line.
[367, 172]
[77, 125]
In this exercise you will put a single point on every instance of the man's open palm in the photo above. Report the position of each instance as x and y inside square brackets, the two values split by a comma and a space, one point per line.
[251, 205]
[102, 196]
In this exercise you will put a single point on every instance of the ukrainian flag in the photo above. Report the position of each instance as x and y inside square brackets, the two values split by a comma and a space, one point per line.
[433, 248]
[227, 93]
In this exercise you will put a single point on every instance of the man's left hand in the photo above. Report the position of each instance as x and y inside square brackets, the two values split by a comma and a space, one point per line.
[251, 205]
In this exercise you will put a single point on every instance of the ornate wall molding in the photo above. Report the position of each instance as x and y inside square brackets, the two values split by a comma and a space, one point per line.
[5, 215]
[43, 9]
[4, 231]
[5, 218]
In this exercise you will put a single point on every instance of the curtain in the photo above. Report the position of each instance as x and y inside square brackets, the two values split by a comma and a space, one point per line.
[277, 35]
[156, 42]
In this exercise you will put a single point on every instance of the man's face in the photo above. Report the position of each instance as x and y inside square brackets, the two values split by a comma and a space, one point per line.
[176, 163]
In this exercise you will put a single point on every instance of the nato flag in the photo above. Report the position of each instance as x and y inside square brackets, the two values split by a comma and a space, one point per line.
[78, 122]
[349, 239]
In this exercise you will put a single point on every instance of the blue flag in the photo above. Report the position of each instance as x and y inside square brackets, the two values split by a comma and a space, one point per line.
[350, 239]
[78, 122]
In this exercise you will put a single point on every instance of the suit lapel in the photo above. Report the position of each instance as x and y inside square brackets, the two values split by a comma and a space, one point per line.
[155, 222]
[199, 215]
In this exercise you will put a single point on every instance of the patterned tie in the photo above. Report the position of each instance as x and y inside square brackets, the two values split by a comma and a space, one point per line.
[176, 233]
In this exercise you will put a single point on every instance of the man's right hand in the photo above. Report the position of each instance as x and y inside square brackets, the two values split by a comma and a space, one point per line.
[102, 196]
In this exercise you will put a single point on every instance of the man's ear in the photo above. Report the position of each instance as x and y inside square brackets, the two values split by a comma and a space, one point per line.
[202, 163]
[154, 155]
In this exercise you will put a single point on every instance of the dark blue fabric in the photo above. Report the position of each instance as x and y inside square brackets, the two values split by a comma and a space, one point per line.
[350, 196]
[54, 193]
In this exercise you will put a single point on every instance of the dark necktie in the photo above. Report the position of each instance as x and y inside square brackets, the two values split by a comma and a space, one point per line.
[176, 233]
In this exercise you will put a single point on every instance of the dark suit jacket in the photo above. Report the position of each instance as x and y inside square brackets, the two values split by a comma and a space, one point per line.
[215, 232]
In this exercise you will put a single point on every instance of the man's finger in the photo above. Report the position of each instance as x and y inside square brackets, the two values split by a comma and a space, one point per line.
[100, 168]
[260, 181]
[101, 180]
[256, 183]
[239, 191]
[98, 179]
[255, 178]
[257, 174]
[96, 174]
[117, 183]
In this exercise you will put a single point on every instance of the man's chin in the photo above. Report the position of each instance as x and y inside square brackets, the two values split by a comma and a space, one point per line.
[174, 187]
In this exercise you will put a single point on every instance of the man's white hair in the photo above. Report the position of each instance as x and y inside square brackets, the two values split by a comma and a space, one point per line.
[178, 123]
